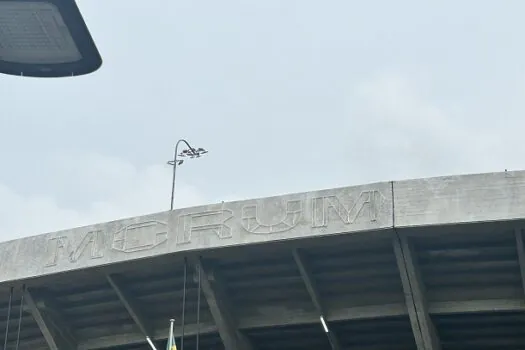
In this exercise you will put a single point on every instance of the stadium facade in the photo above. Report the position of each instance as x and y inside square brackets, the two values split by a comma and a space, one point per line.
[420, 264]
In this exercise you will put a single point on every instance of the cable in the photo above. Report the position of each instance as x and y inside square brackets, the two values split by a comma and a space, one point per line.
[9, 306]
[20, 316]
[184, 302]
[199, 267]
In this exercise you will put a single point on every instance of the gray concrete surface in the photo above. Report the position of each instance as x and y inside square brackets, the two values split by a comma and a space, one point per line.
[400, 204]
[431, 264]
[422, 202]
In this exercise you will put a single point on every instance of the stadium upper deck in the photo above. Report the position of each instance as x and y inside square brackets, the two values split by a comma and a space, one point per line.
[419, 264]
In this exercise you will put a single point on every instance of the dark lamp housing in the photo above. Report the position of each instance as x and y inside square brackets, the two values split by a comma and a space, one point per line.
[45, 39]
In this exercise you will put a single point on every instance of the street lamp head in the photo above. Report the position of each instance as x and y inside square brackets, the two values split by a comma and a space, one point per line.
[45, 38]
[199, 152]
[192, 153]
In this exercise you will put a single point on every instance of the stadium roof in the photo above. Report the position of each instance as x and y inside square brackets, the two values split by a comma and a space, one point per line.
[419, 264]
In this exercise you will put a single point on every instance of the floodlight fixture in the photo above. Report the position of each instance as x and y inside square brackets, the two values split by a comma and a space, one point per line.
[192, 152]
[189, 152]
[323, 323]
[46, 39]
[150, 342]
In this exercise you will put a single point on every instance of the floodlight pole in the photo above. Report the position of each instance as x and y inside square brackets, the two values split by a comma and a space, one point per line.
[192, 152]
[175, 160]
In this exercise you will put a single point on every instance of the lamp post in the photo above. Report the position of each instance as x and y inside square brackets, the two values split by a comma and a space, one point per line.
[189, 152]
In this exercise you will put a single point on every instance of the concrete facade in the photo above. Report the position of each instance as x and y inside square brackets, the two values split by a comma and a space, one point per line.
[428, 264]
[399, 204]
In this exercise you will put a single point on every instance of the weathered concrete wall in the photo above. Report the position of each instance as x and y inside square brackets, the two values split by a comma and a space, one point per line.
[460, 199]
[328, 212]
[436, 201]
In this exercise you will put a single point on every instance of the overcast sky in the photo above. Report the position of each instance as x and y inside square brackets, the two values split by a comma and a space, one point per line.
[287, 95]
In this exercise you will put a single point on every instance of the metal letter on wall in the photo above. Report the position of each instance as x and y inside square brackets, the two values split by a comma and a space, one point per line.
[252, 223]
[140, 236]
[212, 222]
[367, 205]
[62, 244]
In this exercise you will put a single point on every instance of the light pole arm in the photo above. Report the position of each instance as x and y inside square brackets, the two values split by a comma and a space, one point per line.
[175, 163]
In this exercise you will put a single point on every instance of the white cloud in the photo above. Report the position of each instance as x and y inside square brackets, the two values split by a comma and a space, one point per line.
[111, 189]
[408, 134]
